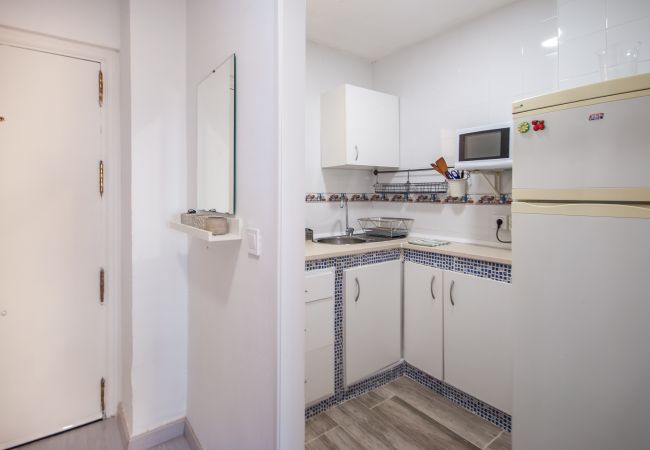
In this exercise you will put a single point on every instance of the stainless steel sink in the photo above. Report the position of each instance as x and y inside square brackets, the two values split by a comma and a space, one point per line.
[356, 239]
[341, 240]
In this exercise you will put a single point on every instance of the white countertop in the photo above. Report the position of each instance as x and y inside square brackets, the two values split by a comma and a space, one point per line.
[314, 250]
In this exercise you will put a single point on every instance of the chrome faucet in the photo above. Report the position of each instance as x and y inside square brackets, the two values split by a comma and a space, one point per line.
[349, 231]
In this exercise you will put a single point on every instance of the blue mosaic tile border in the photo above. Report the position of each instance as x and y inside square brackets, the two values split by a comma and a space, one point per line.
[483, 269]
[340, 264]
[474, 405]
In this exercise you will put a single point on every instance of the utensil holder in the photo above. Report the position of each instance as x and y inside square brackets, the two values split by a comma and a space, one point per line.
[457, 188]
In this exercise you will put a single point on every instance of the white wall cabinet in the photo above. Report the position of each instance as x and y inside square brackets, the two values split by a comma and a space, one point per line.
[359, 128]
[319, 334]
[423, 312]
[372, 296]
[478, 337]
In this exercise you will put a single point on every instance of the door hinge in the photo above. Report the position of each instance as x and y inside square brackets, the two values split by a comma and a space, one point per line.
[101, 286]
[102, 390]
[101, 88]
[101, 178]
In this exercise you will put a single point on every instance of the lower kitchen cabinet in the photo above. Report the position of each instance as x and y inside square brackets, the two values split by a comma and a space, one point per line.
[423, 308]
[372, 297]
[319, 334]
[478, 337]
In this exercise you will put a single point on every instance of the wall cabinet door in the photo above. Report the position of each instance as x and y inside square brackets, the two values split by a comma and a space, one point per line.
[319, 334]
[372, 318]
[478, 338]
[423, 307]
[359, 128]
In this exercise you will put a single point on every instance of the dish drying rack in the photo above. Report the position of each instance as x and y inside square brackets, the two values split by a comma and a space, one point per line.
[392, 227]
[430, 187]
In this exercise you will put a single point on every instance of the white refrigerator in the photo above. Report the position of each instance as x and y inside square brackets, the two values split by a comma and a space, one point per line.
[581, 268]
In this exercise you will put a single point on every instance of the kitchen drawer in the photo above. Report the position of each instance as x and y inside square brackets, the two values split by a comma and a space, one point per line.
[319, 373]
[319, 324]
[319, 284]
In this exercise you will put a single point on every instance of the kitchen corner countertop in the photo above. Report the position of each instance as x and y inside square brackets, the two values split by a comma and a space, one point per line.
[314, 250]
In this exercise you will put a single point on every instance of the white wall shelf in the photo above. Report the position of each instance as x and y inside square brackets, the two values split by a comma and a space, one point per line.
[234, 231]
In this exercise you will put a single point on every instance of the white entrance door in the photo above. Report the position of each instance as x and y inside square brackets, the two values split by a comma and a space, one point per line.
[53, 333]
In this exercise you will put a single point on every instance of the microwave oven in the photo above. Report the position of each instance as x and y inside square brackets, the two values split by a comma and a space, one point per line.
[487, 147]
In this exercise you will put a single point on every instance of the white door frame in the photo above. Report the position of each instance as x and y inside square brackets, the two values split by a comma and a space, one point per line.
[109, 61]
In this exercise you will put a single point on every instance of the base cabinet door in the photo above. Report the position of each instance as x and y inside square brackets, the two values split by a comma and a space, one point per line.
[423, 307]
[319, 335]
[372, 319]
[478, 338]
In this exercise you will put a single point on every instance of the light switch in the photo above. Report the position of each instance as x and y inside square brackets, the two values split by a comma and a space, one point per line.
[254, 245]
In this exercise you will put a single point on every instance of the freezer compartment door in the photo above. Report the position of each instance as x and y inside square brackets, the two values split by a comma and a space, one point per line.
[582, 328]
[596, 152]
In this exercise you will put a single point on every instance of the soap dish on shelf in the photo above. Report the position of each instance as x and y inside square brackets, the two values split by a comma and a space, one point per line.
[234, 231]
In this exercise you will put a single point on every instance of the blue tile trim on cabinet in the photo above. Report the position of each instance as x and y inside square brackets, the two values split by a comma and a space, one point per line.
[472, 404]
[484, 269]
[340, 264]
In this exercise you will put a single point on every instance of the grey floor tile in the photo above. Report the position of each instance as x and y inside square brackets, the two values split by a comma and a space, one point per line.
[474, 429]
[335, 439]
[418, 429]
[503, 442]
[317, 425]
[375, 397]
[367, 427]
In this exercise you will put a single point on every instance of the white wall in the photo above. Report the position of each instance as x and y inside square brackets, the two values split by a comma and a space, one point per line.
[90, 21]
[327, 69]
[291, 315]
[158, 194]
[233, 297]
[469, 76]
[588, 26]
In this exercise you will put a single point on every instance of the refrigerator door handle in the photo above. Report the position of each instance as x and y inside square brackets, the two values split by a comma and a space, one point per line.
[451, 293]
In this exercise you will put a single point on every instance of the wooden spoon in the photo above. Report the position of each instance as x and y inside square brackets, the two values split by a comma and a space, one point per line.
[442, 165]
[437, 169]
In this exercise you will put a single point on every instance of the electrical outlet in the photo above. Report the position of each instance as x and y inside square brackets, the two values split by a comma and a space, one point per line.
[504, 220]
[509, 223]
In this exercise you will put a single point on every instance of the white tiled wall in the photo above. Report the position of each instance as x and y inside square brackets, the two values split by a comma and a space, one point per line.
[466, 77]
[469, 77]
[589, 26]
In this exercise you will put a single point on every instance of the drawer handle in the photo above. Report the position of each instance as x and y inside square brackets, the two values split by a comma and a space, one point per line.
[433, 280]
[356, 299]
[451, 293]
[356, 149]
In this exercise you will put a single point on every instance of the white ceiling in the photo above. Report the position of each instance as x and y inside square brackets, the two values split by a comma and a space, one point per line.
[373, 29]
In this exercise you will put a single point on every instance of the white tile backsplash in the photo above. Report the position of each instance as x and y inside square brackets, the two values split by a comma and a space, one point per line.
[625, 36]
[579, 56]
[588, 27]
[623, 11]
[580, 17]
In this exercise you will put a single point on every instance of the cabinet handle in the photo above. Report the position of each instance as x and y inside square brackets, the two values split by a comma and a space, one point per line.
[356, 299]
[451, 293]
[356, 149]
[433, 280]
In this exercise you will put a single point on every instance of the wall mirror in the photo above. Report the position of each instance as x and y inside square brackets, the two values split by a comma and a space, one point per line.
[216, 140]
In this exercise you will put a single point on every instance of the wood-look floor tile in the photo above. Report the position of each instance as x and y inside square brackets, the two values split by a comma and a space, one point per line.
[367, 427]
[503, 442]
[419, 429]
[335, 439]
[317, 425]
[474, 429]
[375, 397]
